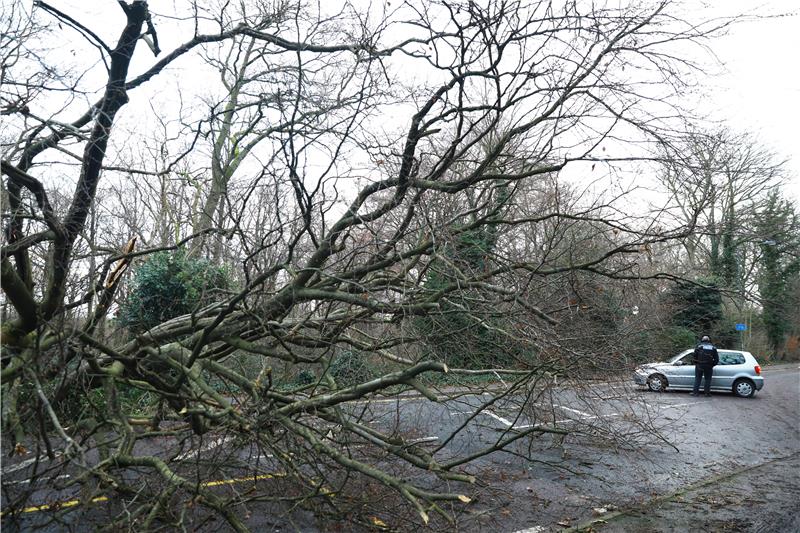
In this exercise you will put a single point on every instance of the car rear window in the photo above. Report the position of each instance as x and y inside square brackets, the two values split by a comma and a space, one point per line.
[731, 358]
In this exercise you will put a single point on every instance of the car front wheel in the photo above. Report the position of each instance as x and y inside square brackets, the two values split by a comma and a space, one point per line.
[744, 388]
[656, 383]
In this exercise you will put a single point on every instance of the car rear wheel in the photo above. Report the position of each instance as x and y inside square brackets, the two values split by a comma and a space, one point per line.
[657, 383]
[744, 388]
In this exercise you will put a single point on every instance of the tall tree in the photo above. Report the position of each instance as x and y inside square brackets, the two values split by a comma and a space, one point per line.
[778, 227]
[353, 136]
[727, 177]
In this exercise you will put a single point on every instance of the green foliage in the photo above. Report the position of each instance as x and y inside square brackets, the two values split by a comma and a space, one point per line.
[597, 315]
[305, 377]
[646, 345]
[697, 306]
[349, 368]
[465, 332]
[170, 285]
[472, 247]
[461, 339]
[725, 335]
[779, 227]
[84, 403]
[676, 339]
[730, 260]
[726, 259]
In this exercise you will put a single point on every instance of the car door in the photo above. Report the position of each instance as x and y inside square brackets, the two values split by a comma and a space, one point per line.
[683, 374]
[730, 364]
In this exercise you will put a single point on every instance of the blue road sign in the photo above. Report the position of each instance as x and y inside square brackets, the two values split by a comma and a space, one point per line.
[741, 327]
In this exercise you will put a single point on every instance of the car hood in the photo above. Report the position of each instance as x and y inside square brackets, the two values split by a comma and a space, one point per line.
[654, 365]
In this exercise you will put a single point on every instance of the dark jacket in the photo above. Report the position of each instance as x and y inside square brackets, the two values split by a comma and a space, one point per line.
[705, 354]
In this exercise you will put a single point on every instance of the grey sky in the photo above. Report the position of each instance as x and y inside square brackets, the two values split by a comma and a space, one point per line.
[759, 89]
[756, 88]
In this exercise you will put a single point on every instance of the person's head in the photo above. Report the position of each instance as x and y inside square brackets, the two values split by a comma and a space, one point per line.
[705, 339]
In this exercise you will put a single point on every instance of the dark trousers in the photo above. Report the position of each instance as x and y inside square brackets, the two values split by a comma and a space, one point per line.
[699, 372]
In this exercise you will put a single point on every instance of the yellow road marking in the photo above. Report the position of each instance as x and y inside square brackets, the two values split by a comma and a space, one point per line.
[100, 499]
[71, 503]
[239, 480]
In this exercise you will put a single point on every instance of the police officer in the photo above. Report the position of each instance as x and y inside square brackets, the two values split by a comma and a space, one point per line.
[705, 358]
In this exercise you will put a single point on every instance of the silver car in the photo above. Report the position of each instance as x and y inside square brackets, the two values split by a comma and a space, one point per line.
[737, 372]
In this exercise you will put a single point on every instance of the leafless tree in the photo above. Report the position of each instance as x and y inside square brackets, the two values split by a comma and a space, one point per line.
[727, 177]
[370, 173]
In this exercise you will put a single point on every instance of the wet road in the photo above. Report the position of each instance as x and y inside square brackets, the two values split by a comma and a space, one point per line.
[592, 473]
[721, 443]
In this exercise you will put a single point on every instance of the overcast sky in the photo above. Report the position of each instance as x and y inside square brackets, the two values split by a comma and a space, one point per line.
[760, 90]
[757, 88]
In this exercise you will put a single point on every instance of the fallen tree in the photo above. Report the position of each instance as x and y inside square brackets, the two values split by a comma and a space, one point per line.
[369, 174]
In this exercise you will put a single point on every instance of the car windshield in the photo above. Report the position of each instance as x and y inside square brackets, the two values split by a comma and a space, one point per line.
[686, 357]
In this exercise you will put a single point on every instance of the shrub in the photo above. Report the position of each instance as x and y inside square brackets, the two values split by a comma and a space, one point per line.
[350, 368]
[169, 285]
[305, 377]
[697, 306]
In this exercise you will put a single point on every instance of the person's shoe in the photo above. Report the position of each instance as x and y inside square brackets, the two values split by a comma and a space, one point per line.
[695, 394]
[708, 395]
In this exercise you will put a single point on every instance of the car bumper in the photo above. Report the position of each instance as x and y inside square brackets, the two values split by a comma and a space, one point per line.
[640, 379]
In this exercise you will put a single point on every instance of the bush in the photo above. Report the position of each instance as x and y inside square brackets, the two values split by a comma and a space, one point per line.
[350, 368]
[84, 403]
[305, 377]
[697, 306]
[676, 339]
[169, 285]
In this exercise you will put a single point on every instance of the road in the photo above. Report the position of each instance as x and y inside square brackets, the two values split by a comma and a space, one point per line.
[758, 498]
[587, 479]
[749, 442]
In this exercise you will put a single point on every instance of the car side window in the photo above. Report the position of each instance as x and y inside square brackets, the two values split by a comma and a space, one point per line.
[688, 359]
[730, 358]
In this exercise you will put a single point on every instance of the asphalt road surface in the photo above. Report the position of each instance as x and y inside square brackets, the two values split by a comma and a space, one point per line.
[735, 467]
[684, 464]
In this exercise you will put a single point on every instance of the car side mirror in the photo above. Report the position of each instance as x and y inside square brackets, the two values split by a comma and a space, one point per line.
[679, 363]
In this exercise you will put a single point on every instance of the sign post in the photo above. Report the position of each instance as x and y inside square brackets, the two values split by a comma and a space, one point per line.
[741, 328]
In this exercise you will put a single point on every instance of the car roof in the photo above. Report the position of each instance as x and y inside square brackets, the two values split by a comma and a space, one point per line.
[720, 350]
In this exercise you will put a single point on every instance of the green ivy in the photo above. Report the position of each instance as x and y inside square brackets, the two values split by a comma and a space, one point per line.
[468, 334]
